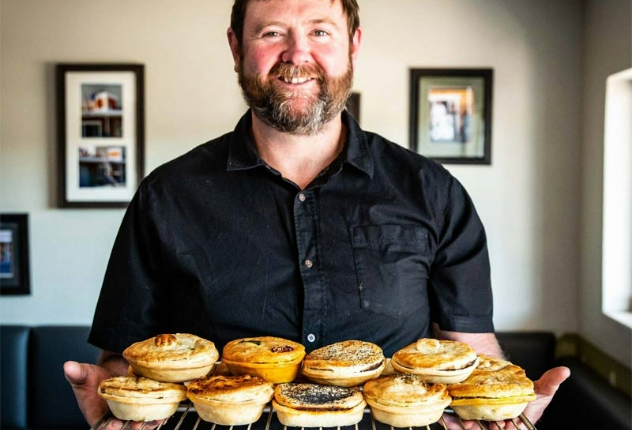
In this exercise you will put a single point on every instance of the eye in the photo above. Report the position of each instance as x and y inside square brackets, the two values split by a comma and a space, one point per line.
[271, 34]
[320, 33]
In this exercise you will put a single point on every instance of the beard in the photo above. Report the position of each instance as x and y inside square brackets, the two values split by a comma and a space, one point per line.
[293, 111]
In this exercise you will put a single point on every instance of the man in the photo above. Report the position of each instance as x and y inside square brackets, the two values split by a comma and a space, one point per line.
[298, 224]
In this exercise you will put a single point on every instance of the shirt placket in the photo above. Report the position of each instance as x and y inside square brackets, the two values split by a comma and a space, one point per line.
[306, 238]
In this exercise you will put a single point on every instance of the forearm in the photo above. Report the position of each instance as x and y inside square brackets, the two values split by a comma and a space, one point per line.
[113, 363]
[483, 343]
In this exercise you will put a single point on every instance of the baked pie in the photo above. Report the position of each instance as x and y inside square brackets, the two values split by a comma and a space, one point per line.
[230, 400]
[406, 400]
[176, 357]
[496, 390]
[315, 405]
[345, 364]
[141, 399]
[272, 358]
[442, 361]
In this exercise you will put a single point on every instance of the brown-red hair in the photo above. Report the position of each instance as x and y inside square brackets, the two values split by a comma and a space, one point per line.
[238, 16]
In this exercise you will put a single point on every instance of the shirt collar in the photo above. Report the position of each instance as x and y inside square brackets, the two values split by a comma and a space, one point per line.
[243, 155]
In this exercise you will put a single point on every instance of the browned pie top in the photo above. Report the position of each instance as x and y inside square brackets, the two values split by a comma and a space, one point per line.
[140, 387]
[345, 354]
[306, 396]
[263, 349]
[179, 350]
[242, 388]
[436, 354]
[494, 378]
[406, 390]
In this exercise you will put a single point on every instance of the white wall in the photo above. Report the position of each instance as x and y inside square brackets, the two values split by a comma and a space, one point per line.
[608, 49]
[528, 198]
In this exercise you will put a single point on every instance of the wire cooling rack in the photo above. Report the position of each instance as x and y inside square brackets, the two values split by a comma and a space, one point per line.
[187, 419]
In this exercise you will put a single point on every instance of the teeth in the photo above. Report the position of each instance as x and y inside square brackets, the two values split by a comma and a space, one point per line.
[296, 80]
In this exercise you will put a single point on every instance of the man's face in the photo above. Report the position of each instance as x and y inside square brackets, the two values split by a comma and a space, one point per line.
[295, 62]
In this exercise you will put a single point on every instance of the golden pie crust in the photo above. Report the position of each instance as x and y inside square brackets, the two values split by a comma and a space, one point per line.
[406, 400]
[346, 364]
[272, 358]
[440, 361]
[315, 405]
[175, 357]
[230, 400]
[496, 390]
[141, 399]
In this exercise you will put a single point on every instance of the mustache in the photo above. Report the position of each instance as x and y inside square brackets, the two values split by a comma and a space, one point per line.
[288, 71]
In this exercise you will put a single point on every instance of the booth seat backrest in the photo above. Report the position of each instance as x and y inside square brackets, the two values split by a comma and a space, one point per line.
[13, 375]
[35, 393]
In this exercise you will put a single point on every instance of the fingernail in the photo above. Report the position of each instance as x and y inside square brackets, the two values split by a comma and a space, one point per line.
[116, 425]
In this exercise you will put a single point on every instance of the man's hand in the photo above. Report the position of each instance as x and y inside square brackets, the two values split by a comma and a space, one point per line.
[545, 388]
[84, 379]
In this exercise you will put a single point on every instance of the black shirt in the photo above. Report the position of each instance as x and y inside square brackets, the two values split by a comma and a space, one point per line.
[218, 244]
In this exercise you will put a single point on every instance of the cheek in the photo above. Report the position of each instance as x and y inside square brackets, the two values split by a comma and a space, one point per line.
[260, 61]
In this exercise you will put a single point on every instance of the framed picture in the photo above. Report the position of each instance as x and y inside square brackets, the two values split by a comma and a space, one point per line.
[353, 105]
[101, 133]
[451, 114]
[14, 254]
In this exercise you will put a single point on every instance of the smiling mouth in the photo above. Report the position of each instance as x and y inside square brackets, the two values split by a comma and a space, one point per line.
[295, 80]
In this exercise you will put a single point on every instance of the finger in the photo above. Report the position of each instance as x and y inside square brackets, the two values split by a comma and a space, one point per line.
[75, 373]
[550, 381]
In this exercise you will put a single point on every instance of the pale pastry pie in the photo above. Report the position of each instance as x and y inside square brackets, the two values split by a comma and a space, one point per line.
[346, 364]
[406, 400]
[274, 359]
[496, 390]
[230, 400]
[141, 399]
[176, 357]
[315, 405]
[442, 361]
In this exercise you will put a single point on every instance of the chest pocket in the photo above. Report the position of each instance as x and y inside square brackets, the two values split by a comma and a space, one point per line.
[391, 264]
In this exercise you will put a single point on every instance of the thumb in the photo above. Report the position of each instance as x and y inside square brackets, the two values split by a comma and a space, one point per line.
[551, 380]
[75, 373]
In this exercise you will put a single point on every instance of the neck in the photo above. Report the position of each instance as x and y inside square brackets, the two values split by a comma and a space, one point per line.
[299, 158]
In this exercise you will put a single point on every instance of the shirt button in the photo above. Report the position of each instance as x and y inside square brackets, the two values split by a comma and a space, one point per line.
[311, 338]
[309, 264]
[301, 197]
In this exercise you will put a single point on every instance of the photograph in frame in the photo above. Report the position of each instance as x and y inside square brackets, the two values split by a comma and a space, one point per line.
[14, 255]
[450, 114]
[100, 132]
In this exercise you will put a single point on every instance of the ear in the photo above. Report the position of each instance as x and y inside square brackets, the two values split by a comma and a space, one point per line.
[234, 47]
[355, 45]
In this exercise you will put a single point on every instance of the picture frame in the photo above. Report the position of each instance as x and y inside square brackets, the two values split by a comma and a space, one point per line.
[451, 114]
[101, 133]
[14, 255]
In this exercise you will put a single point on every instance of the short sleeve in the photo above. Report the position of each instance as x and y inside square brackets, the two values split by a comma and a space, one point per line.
[460, 285]
[127, 310]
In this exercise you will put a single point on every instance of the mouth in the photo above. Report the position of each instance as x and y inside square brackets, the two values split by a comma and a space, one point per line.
[296, 79]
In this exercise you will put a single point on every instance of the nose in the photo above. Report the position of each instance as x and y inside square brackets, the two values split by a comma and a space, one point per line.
[297, 50]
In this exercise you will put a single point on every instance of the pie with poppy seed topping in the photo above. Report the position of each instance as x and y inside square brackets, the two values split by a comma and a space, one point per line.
[175, 357]
[442, 361]
[230, 400]
[496, 390]
[272, 358]
[346, 364]
[406, 400]
[315, 405]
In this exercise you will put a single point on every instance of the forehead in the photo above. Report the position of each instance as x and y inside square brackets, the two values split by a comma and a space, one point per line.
[262, 12]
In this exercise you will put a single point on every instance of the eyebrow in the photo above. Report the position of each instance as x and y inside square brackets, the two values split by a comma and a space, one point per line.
[261, 26]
